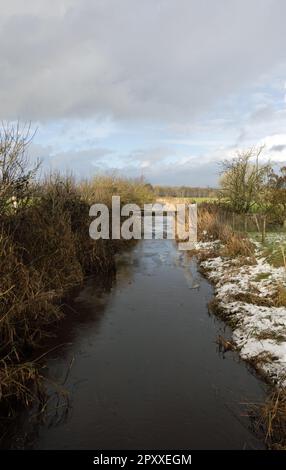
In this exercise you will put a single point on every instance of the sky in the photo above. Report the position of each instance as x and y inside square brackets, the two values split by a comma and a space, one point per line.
[166, 89]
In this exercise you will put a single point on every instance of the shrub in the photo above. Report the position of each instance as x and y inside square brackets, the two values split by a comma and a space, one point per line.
[45, 250]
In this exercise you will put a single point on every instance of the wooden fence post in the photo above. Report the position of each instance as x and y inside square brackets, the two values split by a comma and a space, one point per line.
[263, 229]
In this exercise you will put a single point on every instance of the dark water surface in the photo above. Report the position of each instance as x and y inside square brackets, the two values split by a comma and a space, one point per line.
[142, 367]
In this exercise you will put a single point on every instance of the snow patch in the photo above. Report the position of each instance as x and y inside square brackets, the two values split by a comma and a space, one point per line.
[259, 331]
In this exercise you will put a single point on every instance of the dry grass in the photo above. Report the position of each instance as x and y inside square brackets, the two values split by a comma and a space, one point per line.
[101, 188]
[224, 345]
[270, 419]
[252, 298]
[211, 226]
[24, 299]
[20, 383]
[45, 250]
[206, 254]
[238, 245]
[215, 308]
[280, 296]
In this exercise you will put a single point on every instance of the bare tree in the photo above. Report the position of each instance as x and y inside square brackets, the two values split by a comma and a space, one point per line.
[16, 170]
[244, 181]
[277, 195]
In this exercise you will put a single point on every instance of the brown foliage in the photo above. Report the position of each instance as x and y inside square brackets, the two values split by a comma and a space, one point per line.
[45, 250]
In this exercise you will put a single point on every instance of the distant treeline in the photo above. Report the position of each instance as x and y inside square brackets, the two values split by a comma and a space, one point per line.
[184, 191]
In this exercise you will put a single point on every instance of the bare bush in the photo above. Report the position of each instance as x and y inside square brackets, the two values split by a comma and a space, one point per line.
[16, 171]
[244, 181]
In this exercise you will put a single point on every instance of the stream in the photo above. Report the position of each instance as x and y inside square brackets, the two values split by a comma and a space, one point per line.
[140, 362]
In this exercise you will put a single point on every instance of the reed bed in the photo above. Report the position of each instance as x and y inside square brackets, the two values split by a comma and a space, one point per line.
[45, 250]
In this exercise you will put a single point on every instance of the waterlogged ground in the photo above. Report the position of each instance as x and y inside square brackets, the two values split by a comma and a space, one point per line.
[140, 362]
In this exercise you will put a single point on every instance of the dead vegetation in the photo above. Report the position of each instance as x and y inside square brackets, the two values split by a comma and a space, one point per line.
[224, 345]
[280, 296]
[252, 298]
[20, 383]
[238, 245]
[45, 250]
[269, 419]
[213, 224]
[214, 307]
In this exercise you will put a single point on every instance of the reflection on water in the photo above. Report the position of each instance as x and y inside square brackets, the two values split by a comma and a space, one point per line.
[141, 364]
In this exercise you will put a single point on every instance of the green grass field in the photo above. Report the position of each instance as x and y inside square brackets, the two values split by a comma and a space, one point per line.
[274, 247]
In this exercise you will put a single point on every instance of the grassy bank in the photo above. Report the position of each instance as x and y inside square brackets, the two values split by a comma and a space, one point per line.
[250, 295]
[46, 250]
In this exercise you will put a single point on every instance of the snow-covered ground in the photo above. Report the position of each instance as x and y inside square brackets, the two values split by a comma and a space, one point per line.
[246, 297]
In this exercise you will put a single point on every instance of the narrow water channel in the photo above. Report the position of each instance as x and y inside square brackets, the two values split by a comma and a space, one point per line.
[142, 367]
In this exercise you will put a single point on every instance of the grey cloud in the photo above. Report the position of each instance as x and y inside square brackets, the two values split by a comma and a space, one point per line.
[131, 59]
[195, 170]
[205, 174]
[278, 148]
[262, 115]
[166, 168]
